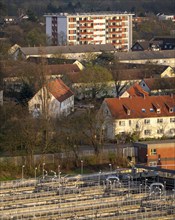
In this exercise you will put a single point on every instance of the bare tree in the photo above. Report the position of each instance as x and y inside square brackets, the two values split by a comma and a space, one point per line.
[116, 73]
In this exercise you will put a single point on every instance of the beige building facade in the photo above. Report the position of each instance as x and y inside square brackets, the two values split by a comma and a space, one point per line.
[90, 28]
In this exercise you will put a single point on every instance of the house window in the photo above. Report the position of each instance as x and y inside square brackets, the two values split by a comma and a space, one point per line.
[153, 151]
[160, 120]
[37, 105]
[147, 121]
[153, 164]
[160, 131]
[172, 120]
[130, 122]
[147, 132]
[172, 131]
[121, 123]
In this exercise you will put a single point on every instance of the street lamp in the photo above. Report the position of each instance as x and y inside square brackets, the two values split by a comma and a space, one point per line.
[23, 171]
[55, 174]
[81, 167]
[99, 178]
[43, 169]
[110, 167]
[35, 173]
[58, 169]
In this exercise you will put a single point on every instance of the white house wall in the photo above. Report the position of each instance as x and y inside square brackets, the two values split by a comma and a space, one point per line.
[157, 129]
[67, 106]
[169, 72]
[168, 61]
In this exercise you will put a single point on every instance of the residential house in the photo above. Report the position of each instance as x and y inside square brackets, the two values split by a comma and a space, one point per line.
[141, 45]
[162, 57]
[155, 44]
[133, 91]
[147, 116]
[77, 52]
[159, 153]
[158, 86]
[16, 76]
[163, 42]
[58, 70]
[55, 98]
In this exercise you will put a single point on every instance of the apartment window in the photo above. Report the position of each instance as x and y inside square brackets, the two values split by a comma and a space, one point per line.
[147, 132]
[153, 151]
[172, 120]
[160, 120]
[147, 121]
[160, 131]
[121, 123]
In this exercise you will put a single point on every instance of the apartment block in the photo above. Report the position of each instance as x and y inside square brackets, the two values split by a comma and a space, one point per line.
[90, 28]
[148, 116]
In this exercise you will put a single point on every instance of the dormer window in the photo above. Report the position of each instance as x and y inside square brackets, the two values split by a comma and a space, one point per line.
[157, 108]
[169, 107]
[158, 111]
[127, 110]
[170, 110]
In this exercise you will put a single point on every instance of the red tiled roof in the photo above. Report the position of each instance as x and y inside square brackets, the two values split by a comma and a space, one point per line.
[59, 90]
[141, 107]
[136, 90]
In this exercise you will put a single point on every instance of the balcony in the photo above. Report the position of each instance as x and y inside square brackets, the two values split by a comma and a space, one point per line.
[115, 20]
[85, 32]
[85, 21]
[114, 26]
[86, 39]
[114, 32]
[85, 27]
[113, 38]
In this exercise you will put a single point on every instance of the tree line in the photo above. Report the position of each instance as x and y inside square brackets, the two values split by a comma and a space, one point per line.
[47, 6]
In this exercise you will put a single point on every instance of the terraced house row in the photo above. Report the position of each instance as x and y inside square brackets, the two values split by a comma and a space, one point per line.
[90, 28]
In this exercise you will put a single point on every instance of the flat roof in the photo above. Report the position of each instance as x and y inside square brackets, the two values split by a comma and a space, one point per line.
[65, 14]
[168, 141]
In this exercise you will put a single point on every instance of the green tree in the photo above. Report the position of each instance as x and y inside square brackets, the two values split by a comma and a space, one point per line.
[31, 16]
[35, 38]
[95, 81]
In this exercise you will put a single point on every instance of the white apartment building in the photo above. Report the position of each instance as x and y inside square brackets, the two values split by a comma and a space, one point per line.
[149, 116]
[90, 28]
